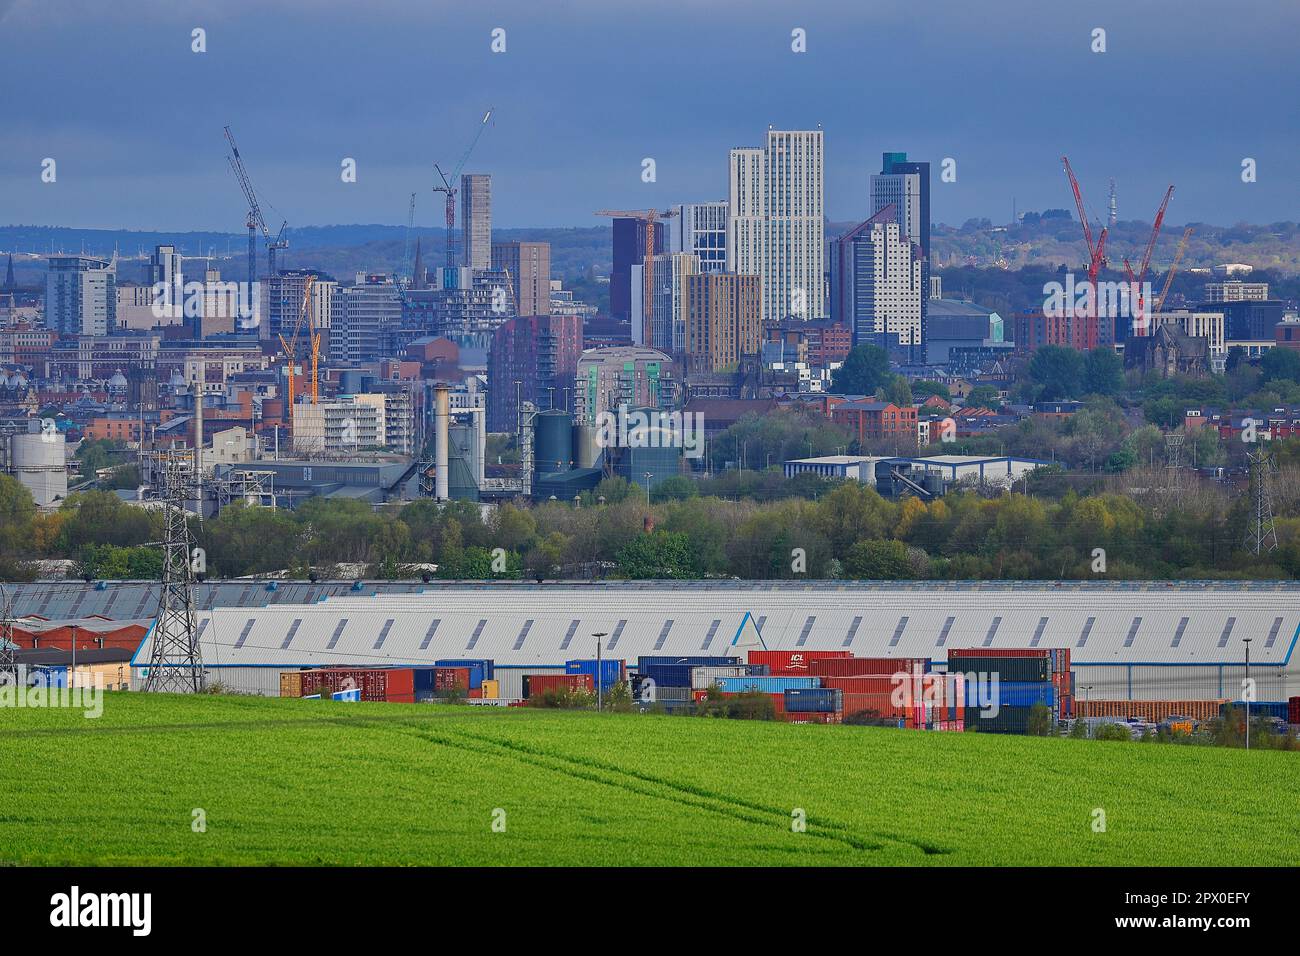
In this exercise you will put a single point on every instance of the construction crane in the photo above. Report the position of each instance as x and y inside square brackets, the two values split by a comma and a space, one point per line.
[1135, 281]
[290, 347]
[1173, 268]
[649, 217]
[1096, 256]
[255, 221]
[450, 188]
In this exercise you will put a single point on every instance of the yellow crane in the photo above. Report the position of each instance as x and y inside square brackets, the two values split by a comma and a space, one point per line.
[290, 347]
[1169, 276]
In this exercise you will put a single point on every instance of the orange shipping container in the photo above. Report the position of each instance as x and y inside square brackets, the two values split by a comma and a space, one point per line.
[1149, 710]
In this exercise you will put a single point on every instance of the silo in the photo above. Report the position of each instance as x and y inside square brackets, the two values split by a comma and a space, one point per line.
[553, 442]
[40, 466]
[585, 450]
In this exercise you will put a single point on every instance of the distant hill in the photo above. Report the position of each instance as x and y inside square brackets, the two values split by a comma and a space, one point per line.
[584, 253]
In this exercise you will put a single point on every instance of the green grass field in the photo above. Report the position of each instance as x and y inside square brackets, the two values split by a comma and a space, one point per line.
[303, 782]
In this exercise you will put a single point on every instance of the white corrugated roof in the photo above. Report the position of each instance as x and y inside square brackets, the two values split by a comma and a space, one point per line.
[548, 624]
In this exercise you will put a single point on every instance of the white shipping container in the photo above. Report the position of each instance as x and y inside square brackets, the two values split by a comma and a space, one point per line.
[702, 678]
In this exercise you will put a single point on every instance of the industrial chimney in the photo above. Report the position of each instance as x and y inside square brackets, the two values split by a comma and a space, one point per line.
[442, 414]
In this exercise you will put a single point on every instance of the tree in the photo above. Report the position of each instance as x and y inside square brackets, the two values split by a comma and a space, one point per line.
[924, 388]
[1280, 364]
[675, 488]
[983, 396]
[864, 370]
[17, 514]
[1103, 372]
[1058, 372]
[657, 555]
[878, 561]
[899, 391]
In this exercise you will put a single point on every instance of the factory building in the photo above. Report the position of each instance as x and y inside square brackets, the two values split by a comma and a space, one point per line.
[1128, 641]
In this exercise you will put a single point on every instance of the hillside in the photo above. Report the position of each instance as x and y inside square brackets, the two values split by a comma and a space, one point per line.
[305, 782]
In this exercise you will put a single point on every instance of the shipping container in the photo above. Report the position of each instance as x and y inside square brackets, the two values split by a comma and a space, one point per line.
[1260, 708]
[491, 689]
[1153, 711]
[510, 679]
[1007, 668]
[1008, 720]
[765, 685]
[796, 662]
[1011, 694]
[537, 684]
[704, 677]
[291, 683]
[484, 665]
[867, 666]
[375, 684]
[1293, 710]
[643, 662]
[670, 675]
[614, 671]
[447, 679]
[1058, 658]
[814, 699]
[873, 704]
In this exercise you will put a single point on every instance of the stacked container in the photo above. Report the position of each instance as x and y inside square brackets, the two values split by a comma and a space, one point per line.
[612, 671]
[1026, 676]
[537, 684]
[396, 684]
[792, 663]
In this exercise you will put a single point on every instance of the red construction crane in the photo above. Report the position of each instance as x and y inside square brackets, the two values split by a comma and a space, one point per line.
[450, 187]
[1096, 256]
[1135, 281]
[649, 217]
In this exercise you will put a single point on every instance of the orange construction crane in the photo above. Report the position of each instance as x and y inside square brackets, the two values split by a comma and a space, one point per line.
[649, 217]
[290, 345]
[1169, 276]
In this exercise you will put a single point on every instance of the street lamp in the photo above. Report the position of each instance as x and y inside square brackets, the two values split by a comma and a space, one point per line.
[599, 696]
[1248, 693]
[648, 475]
[1086, 688]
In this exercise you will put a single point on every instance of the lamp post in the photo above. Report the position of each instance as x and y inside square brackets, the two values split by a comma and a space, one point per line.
[1249, 693]
[1086, 688]
[600, 699]
[648, 475]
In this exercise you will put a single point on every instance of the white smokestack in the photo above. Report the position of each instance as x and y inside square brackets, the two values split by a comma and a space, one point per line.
[442, 438]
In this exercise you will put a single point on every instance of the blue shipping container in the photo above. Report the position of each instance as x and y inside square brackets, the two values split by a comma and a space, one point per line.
[1010, 693]
[1260, 708]
[643, 662]
[665, 676]
[766, 685]
[484, 665]
[611, 670]
[820, 700]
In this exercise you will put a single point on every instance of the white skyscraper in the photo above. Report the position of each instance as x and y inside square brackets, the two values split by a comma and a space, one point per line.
[81, 295]
[775, 225]
[700, 229]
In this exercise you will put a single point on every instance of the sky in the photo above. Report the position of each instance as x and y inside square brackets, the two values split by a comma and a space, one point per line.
[586, 90]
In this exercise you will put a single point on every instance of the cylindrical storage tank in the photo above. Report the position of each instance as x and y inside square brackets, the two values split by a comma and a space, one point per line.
[39, 465]
[552, 442]
[585, 451]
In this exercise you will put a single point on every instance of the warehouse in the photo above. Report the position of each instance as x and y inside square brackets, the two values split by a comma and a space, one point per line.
[1128, 641]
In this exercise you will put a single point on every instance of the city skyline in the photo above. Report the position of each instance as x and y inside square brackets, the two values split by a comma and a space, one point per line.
[1003, 93]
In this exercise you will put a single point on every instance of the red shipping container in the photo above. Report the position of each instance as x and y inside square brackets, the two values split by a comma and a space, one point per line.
[375, 684]
[540, 683]
[863, 666]
[1293, 710]
[450, 678]
[792, 663]
[881, 704]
